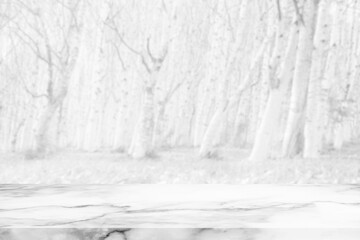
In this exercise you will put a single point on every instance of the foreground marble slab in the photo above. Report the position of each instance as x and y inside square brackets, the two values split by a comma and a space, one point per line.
[180, 234]
[180, 212]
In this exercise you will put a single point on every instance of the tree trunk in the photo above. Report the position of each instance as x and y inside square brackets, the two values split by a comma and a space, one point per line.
[338, 136]
[293, 139]
[142, 144]
[43, 140]
[216, 120]
[209, 140]
[270, 122]
[314, 125]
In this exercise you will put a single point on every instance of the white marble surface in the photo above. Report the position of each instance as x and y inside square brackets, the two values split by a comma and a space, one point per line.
[256, 211]
[249, 206]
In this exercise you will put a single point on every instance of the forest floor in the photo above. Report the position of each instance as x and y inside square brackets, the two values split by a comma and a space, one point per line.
[181, 166]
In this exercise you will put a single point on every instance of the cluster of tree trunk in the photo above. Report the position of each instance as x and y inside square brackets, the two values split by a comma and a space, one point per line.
[277, 76]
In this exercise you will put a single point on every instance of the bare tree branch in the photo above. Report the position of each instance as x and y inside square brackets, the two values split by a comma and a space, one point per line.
[163, 5]
[172, 91]
[6, 20]
[22, 79]
[153, 59]
[34, 46]
[247, 83]
[155, 62]
[145, 64]
[279, 9]
[26, 19]
[72, 10]
[232, 31]
[300, 18]
[165, 51]
[33, 94]
[116, 30]
[30, 10]
[119, 56]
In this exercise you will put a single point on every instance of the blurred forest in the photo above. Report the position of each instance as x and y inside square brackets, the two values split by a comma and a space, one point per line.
[278, 77]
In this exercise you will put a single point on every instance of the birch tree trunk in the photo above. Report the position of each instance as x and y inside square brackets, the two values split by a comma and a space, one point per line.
[43, 138]
[43, 141]
[142, 144]
[269, 126]
[293, 138]
[206, 146]
[314, 125]
[330, 76]
[338, 135]
[58, 91]
[218, 65]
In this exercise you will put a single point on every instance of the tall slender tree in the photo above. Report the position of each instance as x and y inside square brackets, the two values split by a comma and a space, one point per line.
[314, 124]
[281, 72]
[294, 132]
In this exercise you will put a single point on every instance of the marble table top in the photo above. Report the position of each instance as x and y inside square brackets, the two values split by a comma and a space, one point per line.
[180, 206]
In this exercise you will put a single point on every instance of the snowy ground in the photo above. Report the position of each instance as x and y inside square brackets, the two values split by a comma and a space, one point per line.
[238, 212]
[179, 167]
